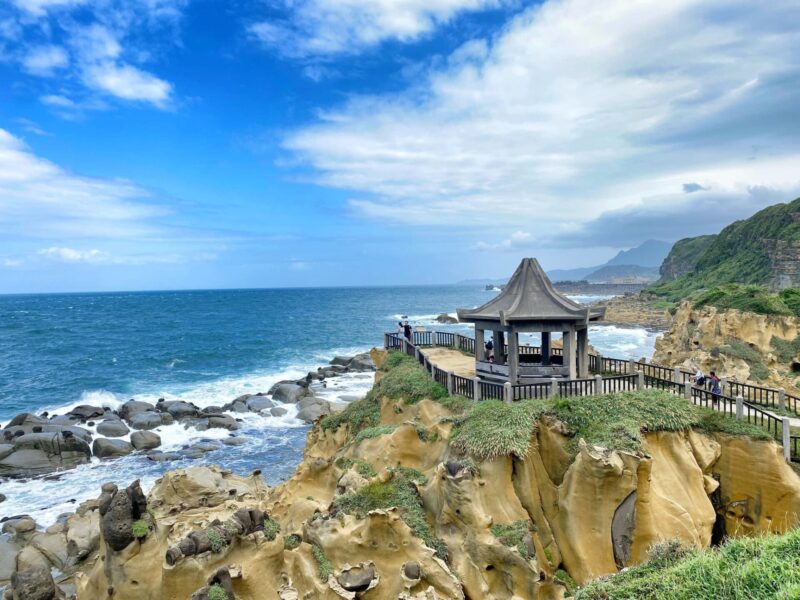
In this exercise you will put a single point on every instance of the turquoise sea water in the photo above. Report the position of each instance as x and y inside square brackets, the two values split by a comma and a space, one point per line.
[207, 347]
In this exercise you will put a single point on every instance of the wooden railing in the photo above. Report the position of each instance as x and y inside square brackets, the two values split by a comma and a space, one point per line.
[747, 405]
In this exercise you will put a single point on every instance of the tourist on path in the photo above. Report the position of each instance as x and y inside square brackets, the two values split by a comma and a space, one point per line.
[407, 331]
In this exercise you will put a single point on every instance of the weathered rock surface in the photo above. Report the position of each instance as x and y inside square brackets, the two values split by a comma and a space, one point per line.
[145, 440]
[106, 448]
[112, 428]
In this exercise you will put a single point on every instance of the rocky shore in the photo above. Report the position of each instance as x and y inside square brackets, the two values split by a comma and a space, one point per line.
[33, 445]
[415, 495]
[633, 310]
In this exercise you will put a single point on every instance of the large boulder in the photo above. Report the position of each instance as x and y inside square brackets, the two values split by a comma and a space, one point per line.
[105, 448]
[118, 511]
[133, 407]
[34, 583]
[178, 409]
[290, 393]
[112, 428]
[36, 453]
[145, 440]
[146, 420]
[259, 403]
[311, 409]
[340, 361]
[86, 412]
[361, 363]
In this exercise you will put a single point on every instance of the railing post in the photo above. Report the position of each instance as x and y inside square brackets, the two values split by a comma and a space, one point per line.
[457, 341]
[476, 389]
[739, 408]
[687, 390]
[386, 341]
[599, 363]
[553, 387]
[507, 392]
[631, 366]
[786, 438]
[416, 352]
[433, 338]
[677, 376]
[450, 383]
[639, 380]
[405, 345]
[598, 385]
[723, 386]
[781, 399]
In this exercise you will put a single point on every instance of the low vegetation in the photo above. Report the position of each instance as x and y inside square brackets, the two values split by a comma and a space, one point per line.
[291, 541]
[513, 535]
[215, 539]
[763, 568]
[785, 350]
[216, 592]
[402, 379]
[324, 566]
[363, 468]
[614, 421]
[399, 492]
[745, 352]
[373, 432]
[140, 529]
[271, 529]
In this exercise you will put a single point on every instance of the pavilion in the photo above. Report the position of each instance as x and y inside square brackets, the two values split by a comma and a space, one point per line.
[530, 303]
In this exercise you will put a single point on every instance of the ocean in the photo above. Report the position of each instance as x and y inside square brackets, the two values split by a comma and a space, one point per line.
[61, 350]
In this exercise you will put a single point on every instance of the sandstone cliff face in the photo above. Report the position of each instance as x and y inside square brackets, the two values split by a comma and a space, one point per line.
[586, 516]
[736, 345]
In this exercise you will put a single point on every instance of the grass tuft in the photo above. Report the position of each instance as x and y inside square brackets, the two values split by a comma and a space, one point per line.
[140, 529]
[291, 541]
[216, 592]
[324, 566]
[373, 432]
[271, 529]
[762, 568]
[215, 538]
[513, 535]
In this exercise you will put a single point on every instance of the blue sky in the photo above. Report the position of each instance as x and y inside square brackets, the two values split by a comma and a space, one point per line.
[153, 144]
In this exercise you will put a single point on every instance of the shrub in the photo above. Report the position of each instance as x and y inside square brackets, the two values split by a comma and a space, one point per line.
[325, 568]
[365, 469]
[791, 298]
[513, 535]
[291, 541]
[785, 350]
[399, 492]
[140, 529]
[271, 529]
[215, 539]
[713, 421]
[216, 592]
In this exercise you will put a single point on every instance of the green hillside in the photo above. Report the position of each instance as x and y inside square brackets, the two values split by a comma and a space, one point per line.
[734, 268]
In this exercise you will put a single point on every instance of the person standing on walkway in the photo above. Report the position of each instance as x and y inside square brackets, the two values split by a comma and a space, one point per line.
[407, 331]
[713, 383]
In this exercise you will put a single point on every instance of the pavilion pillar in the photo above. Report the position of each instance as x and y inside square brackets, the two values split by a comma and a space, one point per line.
[570, 353]
[545, 348]
[513, 357]
[499, 347]
[480, 345]
[583, 352]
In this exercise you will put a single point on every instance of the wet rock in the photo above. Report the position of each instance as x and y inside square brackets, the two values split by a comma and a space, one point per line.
[313, 411]
[163, 456]
[277, 411]
[85, 412]
[37, 453]
[234, 441]
[167, 419]
[133, 407]
[340, 361]
[106, 448]
[222, 422]
[146, 420]
[112, 428]
[145, 440]
[361, 363]
[289, 393]
[446, 319]
[259, 403]
[34, 583]
[179, 409]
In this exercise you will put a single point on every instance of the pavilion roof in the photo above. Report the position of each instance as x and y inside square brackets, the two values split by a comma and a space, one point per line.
[530, 296]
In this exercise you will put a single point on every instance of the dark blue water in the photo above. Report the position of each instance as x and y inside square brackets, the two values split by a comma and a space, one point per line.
[206, 347]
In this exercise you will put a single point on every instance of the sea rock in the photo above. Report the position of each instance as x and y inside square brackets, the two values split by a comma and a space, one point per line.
[145, 440]
[8, 558]
[446, 319]
[85, 412]
[105, 448]
[222, 422]
[340, 361]
[290, 393]
[134, 407]
[83, 534]
[178, 409]
[159, 456]
[146, 420]
[361, 363]
[311, 411]
[357, 579]
[35, 583]
[277, 411]
[259, 403]
[37, 453]
[119, 512]
[234, 441]
[112, 428]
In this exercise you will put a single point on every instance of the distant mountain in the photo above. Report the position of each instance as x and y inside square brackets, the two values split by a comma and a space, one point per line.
[762, 250]
[649, 254]
[639, 262]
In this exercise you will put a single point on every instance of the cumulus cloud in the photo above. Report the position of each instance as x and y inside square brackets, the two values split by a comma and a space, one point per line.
[99, 257]
[73, 256]
[128, 82]
[574, 110]
[335, 27]
[517, 240]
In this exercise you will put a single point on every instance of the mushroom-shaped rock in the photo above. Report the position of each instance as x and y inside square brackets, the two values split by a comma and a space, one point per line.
[358, 578]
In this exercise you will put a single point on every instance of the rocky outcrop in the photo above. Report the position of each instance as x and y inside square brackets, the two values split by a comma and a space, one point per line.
[785, 258]
[31, 445]
[737, 345]
[635, 310]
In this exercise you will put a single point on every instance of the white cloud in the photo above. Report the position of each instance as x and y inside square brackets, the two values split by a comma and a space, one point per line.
[518, 239]
[40, 7]
[57, 100]
[40, 199]
[329, 27]
[576, 108]
[45, 60]
[100, 257]
[73, 256]
[128, 82]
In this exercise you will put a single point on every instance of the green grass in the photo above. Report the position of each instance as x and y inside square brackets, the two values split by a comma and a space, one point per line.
[215, 592]
[747, 298]
[614, 421]
[403, 379]
[513, 535]
[745, 352]
[215, 538]
[291, 541]
[363, 468]
[324, 566]
[140, 529]
[373, 432]
[271, 529]
[399, 492]
[785, 350]
[763, 568]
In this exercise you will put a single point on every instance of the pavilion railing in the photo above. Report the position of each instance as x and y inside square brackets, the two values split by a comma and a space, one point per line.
[738, 400]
